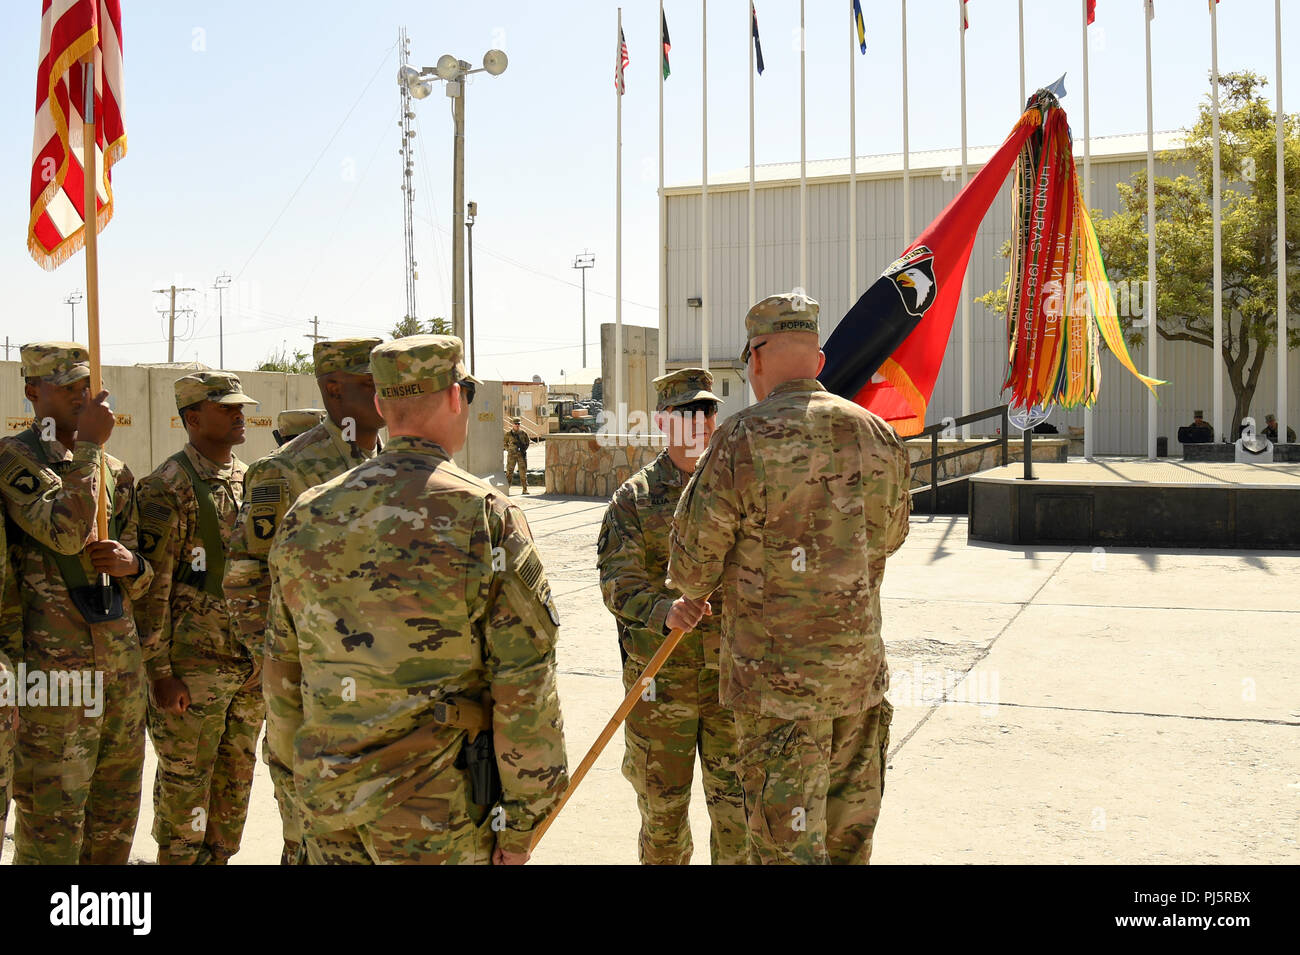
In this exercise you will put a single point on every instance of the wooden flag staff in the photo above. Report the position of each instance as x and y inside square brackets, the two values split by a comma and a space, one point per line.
[90, 218]
[607, 733]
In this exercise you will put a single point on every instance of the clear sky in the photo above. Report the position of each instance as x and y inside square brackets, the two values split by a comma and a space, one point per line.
[234, 107]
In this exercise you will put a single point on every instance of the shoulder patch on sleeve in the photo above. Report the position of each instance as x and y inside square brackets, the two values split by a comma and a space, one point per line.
[272, 493]
[19, 474]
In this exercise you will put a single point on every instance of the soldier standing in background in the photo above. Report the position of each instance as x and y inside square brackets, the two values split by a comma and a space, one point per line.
[289, 424]
[664, 731]
[792, 512]
[410, 673]
[78, 767]
[347, 437]
[205, 712]
[516, 445]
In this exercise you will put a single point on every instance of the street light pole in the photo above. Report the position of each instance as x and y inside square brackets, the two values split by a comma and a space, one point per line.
[469, 230]
[221, 284]
[73, 298]
[582, 262]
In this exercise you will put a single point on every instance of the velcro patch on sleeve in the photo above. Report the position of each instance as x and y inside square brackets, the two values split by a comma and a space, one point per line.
[267, 494]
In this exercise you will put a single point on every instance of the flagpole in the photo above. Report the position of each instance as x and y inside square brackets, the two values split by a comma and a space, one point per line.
[704, 185]
[1282, 391]
[663, 212]
[965, 281]
[1151, 250]
[618, 236]
[907, 164]
[1216, 205]
[753, 256]
[1021, 6]
[90, 218]
[853, 162]
[803, 156]
[1087, 180]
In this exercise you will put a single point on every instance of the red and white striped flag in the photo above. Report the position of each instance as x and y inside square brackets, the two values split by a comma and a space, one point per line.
[71, 31]
[965, 17]
[620, 63]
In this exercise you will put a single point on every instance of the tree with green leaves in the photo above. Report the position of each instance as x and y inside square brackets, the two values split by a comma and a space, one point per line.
[410, 325]
[1185, 237]
[299, 363]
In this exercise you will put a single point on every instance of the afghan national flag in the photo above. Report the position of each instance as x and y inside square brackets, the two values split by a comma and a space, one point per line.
[758, 47]
[663, 28]
[73, 31]
[1092, 10]
[861, 25]
[886, 352]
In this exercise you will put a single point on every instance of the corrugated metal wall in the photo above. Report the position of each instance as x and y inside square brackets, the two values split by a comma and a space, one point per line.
[1121, 413]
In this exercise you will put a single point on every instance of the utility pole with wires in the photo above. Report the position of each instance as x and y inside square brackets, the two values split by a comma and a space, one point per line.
[221, 284]
[407, 126]
[314, 334]
[170, 312]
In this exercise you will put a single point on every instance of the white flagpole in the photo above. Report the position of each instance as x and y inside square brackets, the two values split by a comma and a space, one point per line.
[663, 213]
[618, 238]
[1152, 334]
[1282, 393]
[907, 164]
[1020, 4]
[704, 187]
[1216, 205]
[1087, 185]
[965, 291]
[853, 160]
[803, 157]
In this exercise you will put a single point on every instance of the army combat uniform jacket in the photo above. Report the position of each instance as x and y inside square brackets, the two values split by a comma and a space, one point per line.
[394, 587]
[793, 509]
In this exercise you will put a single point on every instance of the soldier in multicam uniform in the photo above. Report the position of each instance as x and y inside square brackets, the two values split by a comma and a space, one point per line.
[11, 645]
[410, 617]
[516, 445]
[792, 512]
[205, 710]
[77, 767]
[347, 437]
[664, 731]
[289, 424]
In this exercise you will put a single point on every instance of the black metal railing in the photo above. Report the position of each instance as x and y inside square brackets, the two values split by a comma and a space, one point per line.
[935, 430]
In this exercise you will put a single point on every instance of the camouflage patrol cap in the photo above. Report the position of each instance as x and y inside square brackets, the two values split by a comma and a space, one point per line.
[516, 420]
[219, 386]
[787, 312]
[418, 365]
[294, 422]
[683, 386]
[59, 363]
[351, 355]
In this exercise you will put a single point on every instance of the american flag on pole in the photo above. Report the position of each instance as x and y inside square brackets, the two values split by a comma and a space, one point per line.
[620, 63]
[71, 31]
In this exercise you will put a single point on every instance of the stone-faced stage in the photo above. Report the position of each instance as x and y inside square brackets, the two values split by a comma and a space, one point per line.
[1139, 503]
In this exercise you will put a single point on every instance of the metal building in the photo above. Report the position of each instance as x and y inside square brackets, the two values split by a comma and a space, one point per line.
[1120, 416]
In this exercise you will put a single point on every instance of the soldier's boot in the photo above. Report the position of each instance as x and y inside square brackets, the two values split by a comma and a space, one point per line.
[293, 853]
[728, 834]
[232, 775]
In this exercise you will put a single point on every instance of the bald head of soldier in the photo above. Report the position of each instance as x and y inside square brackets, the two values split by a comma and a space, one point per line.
[782, 343]
[423, 389]
[347, 388]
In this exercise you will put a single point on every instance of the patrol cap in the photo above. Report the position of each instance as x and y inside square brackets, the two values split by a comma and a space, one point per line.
[516, 420]
[219, 386]
[294, 422]
[351, 355]
[788, 312]
[683, 386]
[59, 363]
[418, 365]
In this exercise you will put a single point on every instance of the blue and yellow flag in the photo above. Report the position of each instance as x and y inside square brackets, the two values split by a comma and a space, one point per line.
[862, 27]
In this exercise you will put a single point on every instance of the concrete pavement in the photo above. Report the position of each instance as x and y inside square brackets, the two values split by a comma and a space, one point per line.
[1052, 705]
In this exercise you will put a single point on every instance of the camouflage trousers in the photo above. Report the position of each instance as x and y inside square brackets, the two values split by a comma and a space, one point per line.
[662, 736]
[813, 787]
[294, 851]
[516, 460]
[206, 758]
[438, 825]
[8, 729]
[77, 774]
